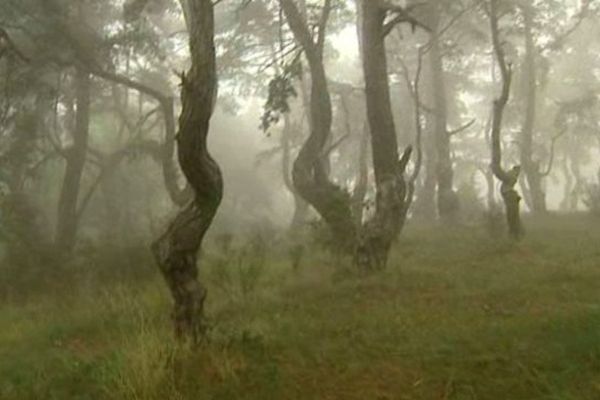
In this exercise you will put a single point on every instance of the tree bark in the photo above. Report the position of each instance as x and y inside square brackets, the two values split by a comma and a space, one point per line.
[510, 178]
[378, 233]
[310, 170]
[362, 178]
[301, 207]
[66, 223]
[176, 251]
[362, 183]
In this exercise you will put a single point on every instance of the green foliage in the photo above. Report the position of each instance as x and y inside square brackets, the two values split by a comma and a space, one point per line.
[281, 89]
[238, 272]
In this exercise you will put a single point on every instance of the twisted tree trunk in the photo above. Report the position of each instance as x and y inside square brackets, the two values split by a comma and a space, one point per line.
[301, 208]
[177, 249]
[510, 178]
[310, 170]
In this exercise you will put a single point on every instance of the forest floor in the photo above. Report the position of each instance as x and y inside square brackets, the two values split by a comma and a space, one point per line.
[455, 316]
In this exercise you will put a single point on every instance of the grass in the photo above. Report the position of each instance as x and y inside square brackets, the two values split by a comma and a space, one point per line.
[455, 316]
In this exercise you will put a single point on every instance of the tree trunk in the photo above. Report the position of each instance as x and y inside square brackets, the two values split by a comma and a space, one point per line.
[379, 233]
[580, 183]
[568, 188]
[447, 200]
[362, 181]
[510, 178]
[424, 205]
[301, 207]
[66, 223]
[491, 190]
[531, 168]
[310, 172]
[177, 249]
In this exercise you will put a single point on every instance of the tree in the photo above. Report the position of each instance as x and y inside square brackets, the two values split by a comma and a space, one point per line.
[310, 170]
[509, 178]
[447, 200]
[534, 175]
[176, 251]
[66, 225]
[379, 232]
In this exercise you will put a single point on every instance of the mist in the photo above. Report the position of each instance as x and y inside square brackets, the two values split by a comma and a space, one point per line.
[299, 199]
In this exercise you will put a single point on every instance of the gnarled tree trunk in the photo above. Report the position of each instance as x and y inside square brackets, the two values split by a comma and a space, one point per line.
[177, 249]
[310, 170]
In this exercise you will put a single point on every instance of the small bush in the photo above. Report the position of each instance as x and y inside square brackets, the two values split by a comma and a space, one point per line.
[238, 272]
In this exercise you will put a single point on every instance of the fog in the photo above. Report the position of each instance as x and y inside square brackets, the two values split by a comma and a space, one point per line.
[299, 199]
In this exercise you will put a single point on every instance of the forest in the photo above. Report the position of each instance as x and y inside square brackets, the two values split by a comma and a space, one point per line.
[299, 199]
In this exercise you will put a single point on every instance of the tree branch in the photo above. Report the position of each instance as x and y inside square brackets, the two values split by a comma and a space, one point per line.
[462, 128]
[402, 16]
[323, 25]
[552, 151]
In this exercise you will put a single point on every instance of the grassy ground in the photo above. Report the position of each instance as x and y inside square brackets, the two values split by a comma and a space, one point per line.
[455, 316]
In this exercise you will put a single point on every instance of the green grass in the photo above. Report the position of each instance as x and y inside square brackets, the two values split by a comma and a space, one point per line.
[455, 316]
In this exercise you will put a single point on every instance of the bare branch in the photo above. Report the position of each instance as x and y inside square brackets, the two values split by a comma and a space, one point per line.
[7, 45]
[552, 148]
[334, 145]
[462, 128]
[402, 15]
[323, 25]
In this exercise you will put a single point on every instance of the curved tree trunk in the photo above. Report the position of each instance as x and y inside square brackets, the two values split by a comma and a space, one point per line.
[310, 170]
[510, 178]
[177, 249]
[301, 207]
[379, 233]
